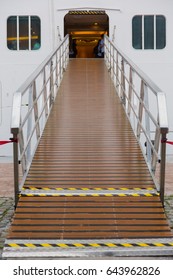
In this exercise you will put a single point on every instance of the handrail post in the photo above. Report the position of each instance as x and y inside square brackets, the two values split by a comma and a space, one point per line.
[15, 166]
[162, 166]
[51, 84]
[123, 98]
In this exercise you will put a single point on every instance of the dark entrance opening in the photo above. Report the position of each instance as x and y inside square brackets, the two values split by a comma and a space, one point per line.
[86, 28]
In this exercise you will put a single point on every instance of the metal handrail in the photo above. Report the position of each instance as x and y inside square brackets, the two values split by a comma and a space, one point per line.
[145, 106]
[32, 104]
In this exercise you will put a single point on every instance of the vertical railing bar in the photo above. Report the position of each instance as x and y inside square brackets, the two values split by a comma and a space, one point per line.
[156, 148]
[22, 148]
[147, 125]
[117, 73]
[110, 58]
[162, 166]
[113, 67]
[130, 91]
[45, 92]
[29, 123]
[35, 102]
[140, 112]
[60, 64]
[51, 84]
[56, 69]
[123, 99]
[16, 166]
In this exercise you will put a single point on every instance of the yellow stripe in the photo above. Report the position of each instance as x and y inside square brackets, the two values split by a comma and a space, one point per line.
[121, 194]
[30, 245]
[108, 194]
[143, 244]
[148, 194]
[46, 189]
[21, 38]
[31, 188]
[14, 245]
[158, 244]
[127, 245]
[62, 245]
[72, 189]
[135, 194]
[94, 244]
[110, 245]
[78, 245]
[45, 245]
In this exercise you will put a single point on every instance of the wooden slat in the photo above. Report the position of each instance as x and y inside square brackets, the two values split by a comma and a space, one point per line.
[99, 217]
[88, 129]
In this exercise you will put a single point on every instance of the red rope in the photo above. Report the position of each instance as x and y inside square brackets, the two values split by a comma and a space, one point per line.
[3, 142]
[167, 142]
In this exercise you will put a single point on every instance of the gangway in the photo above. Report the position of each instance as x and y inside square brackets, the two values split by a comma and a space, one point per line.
[86, 188]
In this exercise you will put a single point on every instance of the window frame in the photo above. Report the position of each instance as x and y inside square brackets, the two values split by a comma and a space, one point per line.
[18, 26]
[144, 31]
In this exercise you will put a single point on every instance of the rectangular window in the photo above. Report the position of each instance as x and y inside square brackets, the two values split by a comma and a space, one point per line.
[149, 32]
[23, 33]
[12, 33]
[160, 32]
[137, 32]
[35, 33]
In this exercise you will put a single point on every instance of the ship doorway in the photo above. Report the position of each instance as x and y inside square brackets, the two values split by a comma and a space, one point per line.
[85, 29]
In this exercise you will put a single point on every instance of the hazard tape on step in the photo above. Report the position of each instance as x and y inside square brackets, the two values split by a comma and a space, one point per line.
[86, 245]
[86, 189]
[91, 194]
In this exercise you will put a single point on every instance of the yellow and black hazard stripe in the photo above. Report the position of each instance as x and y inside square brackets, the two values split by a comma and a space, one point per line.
[86, 245]
[87, 189]
[91, 194]
[85, 12]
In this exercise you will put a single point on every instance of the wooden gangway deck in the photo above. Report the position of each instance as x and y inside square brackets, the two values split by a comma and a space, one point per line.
[89, 190]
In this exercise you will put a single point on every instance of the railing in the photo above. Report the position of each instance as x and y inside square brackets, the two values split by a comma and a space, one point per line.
[32, 104]
[145, 106]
